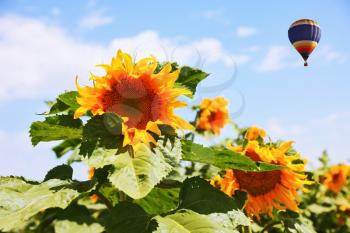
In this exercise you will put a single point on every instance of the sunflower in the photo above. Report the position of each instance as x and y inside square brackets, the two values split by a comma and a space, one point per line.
[344, 212]
[213, 115]
[270, 189]
[254, 133]
[336, 177]
[345, 209]
[142, 97]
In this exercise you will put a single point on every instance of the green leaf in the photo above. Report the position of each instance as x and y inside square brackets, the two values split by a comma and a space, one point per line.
[319, 209]
[324, 159]
[62, 127]
[21, 199]
[64, 226]
[231, 220]
[198, 195]
[298, 225]
[62, 172]
[77, 219]
[160, 66]
[160, 201]
[137, 176]
[126, 217]
[66, 146]
[172, 151]
[223, 158]
[66, 102]
[109, 192]
[190, 77]
[103, 130]
[70, 99]
[187, 221]
[57, 107]
[101, 157]
[74, 156]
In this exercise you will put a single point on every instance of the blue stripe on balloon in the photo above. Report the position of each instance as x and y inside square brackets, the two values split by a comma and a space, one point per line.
[304, 32]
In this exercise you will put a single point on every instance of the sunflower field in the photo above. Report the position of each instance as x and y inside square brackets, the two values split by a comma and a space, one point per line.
[148, 174]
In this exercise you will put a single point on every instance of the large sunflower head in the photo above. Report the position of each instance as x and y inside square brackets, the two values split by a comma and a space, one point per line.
[142, 96]
[270, 189]
[336, 177]
[212, 115]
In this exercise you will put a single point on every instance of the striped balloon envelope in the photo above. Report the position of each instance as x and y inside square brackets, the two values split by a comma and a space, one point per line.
[304, 34]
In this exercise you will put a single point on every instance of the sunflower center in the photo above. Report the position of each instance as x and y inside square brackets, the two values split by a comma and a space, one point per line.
[258, 183]
[216, 118]
[335, 177]
[134, 98]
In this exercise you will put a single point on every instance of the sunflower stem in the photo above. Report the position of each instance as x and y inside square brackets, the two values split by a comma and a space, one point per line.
[268, 226]
[131, 152]
[104, 200]
[247, 229]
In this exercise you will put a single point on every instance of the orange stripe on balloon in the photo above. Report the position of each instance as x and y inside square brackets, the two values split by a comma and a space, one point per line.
[305, 46]
[305, 50]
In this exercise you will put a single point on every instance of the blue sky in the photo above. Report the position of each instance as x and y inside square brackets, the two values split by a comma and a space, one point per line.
[44, 44]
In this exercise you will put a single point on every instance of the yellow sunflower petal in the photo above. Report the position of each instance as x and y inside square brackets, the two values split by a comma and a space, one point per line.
[134, 92]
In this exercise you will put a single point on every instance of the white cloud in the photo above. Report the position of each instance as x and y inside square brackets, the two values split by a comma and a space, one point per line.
[244, 31]
[280, 57]
[275, 59]
[95, 19]
[20, 158]
[37, 59]
[276, 129]
[329, 54]
[329, 132]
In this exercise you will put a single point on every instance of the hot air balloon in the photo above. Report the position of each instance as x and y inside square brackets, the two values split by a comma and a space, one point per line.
[304, 34]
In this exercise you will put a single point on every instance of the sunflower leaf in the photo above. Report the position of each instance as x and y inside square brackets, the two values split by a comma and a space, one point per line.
[171, 150]
[20, 199]
[223, 158]
[187, 221]
[231, 220]
[62, 172]
[298, 225]
[126, 217]
[63, 226]
[77, 219]
[66, 146]
[101, 157]
[137, 176]
[198, 195]
[104, 130]
[152, 205]
[70, 99]
[190, 78]
[66, 102]
[62, 127]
